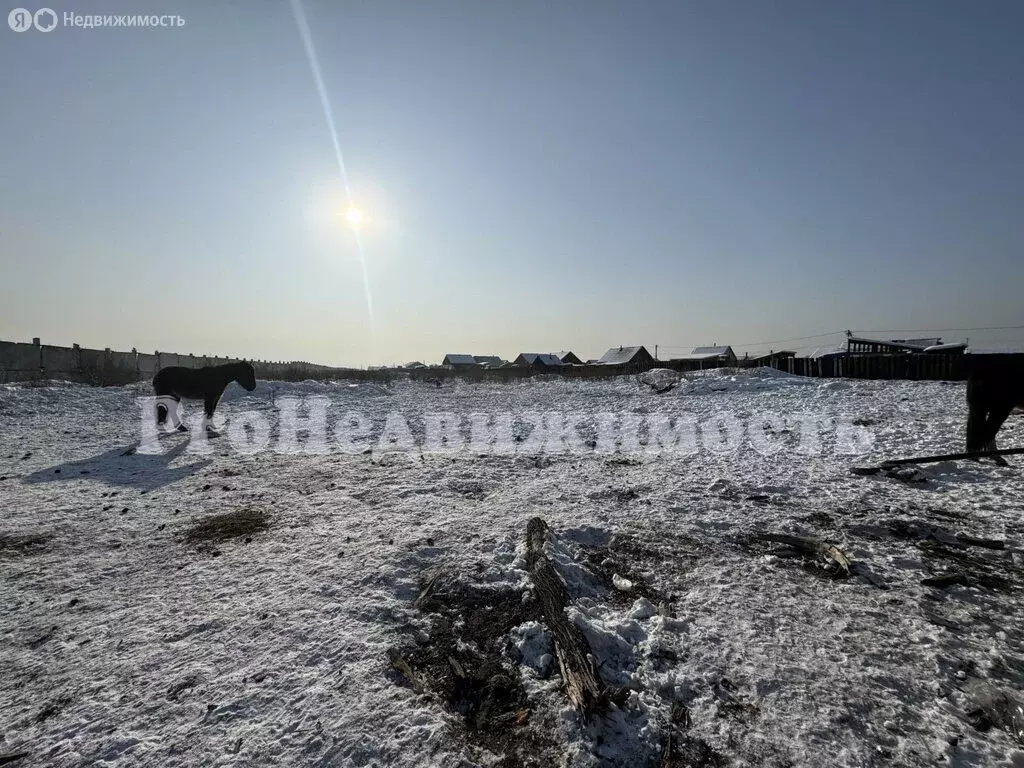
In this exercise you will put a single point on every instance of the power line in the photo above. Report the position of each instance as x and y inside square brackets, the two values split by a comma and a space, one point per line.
[759, 343]
[795, 338]
[950, 330]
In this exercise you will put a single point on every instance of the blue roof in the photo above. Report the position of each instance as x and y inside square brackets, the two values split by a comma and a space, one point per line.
[532, 358]
[459, 360]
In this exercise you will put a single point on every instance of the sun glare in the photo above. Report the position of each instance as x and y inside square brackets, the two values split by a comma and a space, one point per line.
[354, 216]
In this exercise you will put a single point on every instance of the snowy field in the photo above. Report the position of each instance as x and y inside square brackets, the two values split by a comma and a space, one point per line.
[133, 635]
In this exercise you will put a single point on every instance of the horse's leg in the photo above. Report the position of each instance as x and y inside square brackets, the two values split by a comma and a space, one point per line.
[977, 413]
[996, 417]
[209, 405]
[167, 405]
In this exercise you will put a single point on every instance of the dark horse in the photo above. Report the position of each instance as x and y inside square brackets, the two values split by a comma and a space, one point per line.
[174, 383]
[995, 387]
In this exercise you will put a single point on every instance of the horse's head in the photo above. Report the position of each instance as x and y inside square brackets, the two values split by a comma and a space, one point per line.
[246, 376]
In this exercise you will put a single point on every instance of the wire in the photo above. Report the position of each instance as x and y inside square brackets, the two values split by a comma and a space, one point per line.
[950, 330]
[757, 343]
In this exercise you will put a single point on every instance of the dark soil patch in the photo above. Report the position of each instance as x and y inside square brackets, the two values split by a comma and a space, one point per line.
[618, 495]
[685, 751]
[951, 565]
[625, 461]
[228, 525]
[52, 709]
[22, 544]
[624, 556]
[472, 489]
[465, 663]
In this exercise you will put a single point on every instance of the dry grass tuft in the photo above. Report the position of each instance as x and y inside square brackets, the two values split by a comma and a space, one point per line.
[228, 525]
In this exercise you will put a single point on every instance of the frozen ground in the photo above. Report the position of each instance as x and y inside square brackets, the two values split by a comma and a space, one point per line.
[125, 642]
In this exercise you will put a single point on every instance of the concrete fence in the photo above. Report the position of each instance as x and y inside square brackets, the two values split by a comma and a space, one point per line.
[105, 367]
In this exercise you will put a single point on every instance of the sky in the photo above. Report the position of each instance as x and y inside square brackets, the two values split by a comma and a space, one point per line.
[534, 177]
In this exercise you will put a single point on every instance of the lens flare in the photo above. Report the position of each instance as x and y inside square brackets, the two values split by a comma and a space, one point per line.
[354, 216]
[352, 212]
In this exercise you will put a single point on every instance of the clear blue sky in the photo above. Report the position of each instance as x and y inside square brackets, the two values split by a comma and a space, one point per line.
[537, 176]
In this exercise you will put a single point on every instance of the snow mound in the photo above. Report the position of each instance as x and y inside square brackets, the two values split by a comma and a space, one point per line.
[742, 380]
[660, 379]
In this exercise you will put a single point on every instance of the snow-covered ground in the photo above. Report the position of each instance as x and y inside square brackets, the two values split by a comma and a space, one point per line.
[126, 642]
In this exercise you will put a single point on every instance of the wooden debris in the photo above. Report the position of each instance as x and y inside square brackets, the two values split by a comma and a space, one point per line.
[925, 532]
[457, 667]
[830, 556]
[945, 580]
[583, 684]
[973, 541]
[428, 589]
[932, 616]
[865, 573]
[402, 666]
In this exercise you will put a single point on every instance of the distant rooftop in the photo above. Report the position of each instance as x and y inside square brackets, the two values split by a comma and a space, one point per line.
[460, 360]
[531, 358]
[619, 355]
[725, 350]
[488, 359]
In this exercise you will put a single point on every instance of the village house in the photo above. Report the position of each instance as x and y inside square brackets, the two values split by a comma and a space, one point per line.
[459, 362]
[537, 360]
[628, 358]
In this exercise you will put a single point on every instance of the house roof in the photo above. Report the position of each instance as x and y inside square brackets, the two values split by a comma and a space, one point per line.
[699, 356]
[918, 342]
[563, 355]
[532, 358]
[619, 355]
[828, 351]
[911, 345]
[772, 353]
[713, 351]
[951, 347]
[488, 359]
[460, 360]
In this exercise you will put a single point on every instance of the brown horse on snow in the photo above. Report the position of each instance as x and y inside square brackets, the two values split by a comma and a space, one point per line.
[173, 383]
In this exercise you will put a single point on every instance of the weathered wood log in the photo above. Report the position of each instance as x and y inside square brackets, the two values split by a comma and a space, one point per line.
[974, 541]
[583, 684]
[945, 580]
[831, 556]
[862, 570]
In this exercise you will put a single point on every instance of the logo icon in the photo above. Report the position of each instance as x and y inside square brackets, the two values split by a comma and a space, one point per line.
[45, 19]
[20, 20]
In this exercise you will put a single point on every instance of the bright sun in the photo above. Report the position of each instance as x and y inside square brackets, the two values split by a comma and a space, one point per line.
[354, 216]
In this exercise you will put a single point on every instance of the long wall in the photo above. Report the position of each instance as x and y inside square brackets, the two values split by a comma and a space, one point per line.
[35, 361]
